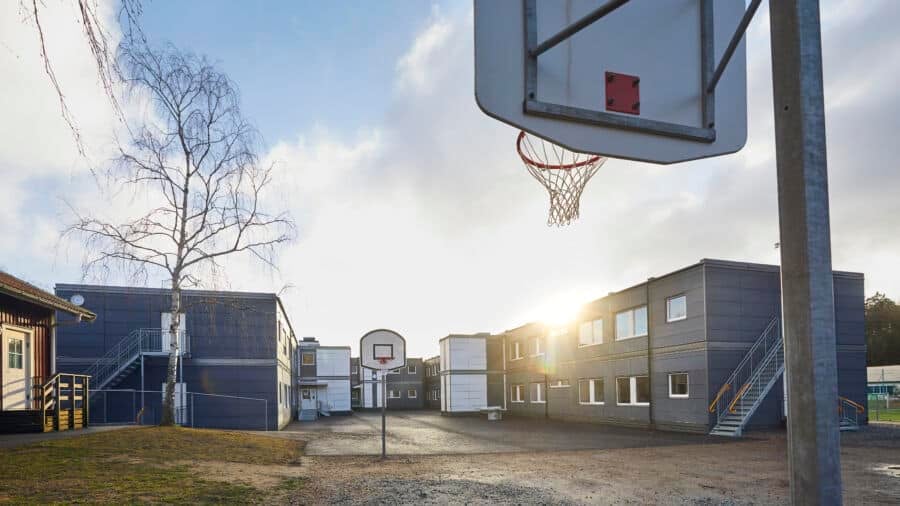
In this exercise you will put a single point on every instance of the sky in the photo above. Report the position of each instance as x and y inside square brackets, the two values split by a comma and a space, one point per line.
[413, 211]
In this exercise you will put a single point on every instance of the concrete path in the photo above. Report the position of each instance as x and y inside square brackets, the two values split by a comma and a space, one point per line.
[14, 440]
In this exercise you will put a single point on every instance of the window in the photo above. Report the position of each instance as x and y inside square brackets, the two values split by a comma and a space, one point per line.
[437, 395]
[516, 350]
[280, 394]
[15, 349]
[676, 308]
[537, 393]
[538, 346]
[560, 383]
[412, 393]
[394, 394]
[411, 369]
[678, 385]
[304, 393]
[631, 323]
[590, 332]
[633, 391]
[590, 391]
[518, 393]
[308, 358]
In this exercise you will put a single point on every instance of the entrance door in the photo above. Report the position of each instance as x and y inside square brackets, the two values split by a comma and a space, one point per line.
[18, 367]
[307, 398]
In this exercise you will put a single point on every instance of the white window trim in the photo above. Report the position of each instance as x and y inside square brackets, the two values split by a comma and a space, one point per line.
[543, 397]
[519, 389]
[679, 396]
[537, 346]
[591, 393]
[593, 337]
[391, 393]
[668, 318]
[558, 385]
[410, 369]
[415, 393]
[517, 346]
[632, 311]
[632, 383]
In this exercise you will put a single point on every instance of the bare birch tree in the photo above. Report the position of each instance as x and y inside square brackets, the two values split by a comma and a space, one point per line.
[197, 160]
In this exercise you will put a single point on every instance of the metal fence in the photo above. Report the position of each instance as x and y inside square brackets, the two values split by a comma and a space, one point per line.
[192, 409]
[884, 407]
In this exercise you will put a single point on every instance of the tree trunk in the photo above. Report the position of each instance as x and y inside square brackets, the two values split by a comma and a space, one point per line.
[168, 411]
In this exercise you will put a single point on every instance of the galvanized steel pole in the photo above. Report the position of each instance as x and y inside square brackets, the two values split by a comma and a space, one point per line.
[806, 276]
[383, 408]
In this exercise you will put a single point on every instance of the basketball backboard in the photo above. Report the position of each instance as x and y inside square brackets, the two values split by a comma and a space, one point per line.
[632, 84]
[382, 349]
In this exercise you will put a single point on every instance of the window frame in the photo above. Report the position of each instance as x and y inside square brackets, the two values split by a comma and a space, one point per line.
[538, 349]
[540, 390]
[559, 383]
[687, 385]
[411, 369]
[669, 300]
[519, 396]
[415, 393]
[391, 393]
[19, 354]
[517, 346]
[304, 354]
[593, 327]
[592, 392]
[632, 391]
[632, 312]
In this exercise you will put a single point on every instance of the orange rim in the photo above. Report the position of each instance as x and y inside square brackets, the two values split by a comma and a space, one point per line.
[548, 166]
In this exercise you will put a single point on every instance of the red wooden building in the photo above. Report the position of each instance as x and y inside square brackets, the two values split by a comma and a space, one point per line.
[34, 396]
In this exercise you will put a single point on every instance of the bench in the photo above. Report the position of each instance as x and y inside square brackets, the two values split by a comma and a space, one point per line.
[494, 413]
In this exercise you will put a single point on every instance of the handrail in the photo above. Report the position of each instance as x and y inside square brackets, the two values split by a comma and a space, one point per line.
[762, 354]
[726, 387]
[738, 396]
[128, 349]
[855, 404]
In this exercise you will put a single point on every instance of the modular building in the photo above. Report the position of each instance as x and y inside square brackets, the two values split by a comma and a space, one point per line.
[237, 355]
[404, 387]
[670, 353]
[432, 382]
[472, 371]
[324, 380]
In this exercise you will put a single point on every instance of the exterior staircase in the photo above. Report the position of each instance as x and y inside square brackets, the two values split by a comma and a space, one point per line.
[753, 378]
[308, 415]
[124, 358]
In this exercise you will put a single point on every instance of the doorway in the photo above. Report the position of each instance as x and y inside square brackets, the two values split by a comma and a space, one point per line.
[18, 368]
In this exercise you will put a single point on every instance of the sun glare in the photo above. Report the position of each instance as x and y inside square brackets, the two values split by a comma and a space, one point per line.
[560, 310]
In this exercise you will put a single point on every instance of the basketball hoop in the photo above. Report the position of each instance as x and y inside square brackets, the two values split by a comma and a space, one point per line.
[562, 172]
[383, 360]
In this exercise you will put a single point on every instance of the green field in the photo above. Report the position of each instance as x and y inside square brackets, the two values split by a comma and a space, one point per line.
[877, 410]
[155, 465]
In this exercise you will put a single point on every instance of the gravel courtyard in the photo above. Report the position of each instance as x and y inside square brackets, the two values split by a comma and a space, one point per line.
[441, 460]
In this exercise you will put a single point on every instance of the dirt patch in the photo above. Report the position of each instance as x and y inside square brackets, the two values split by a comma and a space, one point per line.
[752, 471]
[255, 475]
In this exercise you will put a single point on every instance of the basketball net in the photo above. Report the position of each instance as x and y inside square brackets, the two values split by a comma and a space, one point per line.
[562, 172]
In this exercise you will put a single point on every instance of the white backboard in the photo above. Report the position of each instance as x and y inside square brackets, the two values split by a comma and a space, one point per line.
[382, 343]
[659, 42]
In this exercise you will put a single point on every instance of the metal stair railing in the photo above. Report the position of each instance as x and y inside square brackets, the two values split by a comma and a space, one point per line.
[747, 377]
[849, 411]
[129, 349]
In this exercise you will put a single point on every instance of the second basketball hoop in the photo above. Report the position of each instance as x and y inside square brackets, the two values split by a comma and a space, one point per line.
[563, 173]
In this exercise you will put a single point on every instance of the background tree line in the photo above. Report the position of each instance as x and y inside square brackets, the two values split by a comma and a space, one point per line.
[882, 330]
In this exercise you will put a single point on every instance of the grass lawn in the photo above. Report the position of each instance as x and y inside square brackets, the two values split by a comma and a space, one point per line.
[153, 464]
[885, 415]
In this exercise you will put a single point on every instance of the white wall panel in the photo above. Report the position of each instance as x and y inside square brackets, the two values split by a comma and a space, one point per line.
[467, 353]
[468, 392]
[332, 362]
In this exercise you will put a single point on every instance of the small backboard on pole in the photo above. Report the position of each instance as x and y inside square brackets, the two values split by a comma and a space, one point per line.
[382, 350]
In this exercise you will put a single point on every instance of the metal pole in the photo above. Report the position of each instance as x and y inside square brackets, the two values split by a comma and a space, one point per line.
[192, 410]
[267, 414]
[383, 409]
[732, 45]
[806, 278]
[142, 382]
[577, 26]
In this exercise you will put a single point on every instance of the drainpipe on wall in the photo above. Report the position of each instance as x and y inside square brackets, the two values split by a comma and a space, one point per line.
[649, 355]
